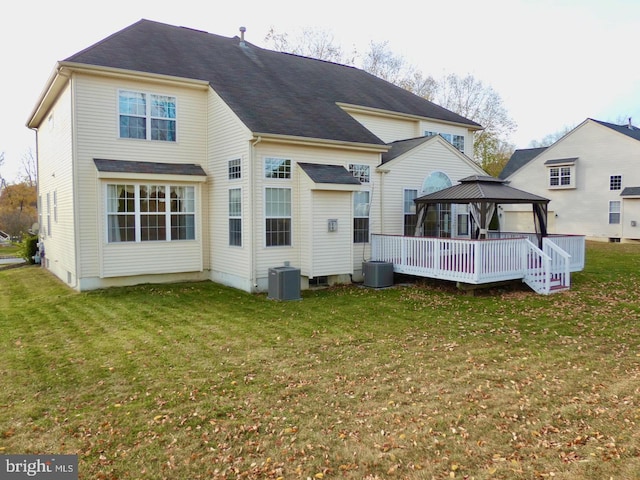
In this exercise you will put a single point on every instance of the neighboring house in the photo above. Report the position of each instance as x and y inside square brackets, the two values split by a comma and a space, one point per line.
[592, 178]
[166, 153]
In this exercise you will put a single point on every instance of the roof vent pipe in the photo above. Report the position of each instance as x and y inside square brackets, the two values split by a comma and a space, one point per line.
[630, 125]
[242, 30]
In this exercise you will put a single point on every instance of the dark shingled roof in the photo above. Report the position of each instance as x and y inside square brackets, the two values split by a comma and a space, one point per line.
[628, 130]
[271, 92]
[320, 173]
[519, 159]
[480, 188]
[125, 166]
[630, 192]
[402, 146]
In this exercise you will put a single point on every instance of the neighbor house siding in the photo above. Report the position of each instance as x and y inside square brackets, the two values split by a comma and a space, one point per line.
[96, 104]
[583, 210]
[55, 178]
[228, 139]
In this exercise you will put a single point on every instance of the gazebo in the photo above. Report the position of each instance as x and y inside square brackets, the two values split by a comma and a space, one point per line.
[483, 194]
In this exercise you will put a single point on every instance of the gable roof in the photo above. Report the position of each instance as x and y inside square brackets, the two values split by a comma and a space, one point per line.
[519, 159]
[629, 130]
[271, 92]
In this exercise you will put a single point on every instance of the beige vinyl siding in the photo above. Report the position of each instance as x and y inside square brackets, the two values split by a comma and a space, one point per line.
[267, 257]
[97, 136]
[55, 177]
[130, 259]
[324, 252]
[410, 171]
[228, 139]
[387, 128]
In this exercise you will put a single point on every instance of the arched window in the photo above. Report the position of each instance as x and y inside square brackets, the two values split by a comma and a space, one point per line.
[434, 182]
[438, 221]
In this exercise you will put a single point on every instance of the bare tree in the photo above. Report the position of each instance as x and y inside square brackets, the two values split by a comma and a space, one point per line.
[28, 168]
[310, 42]
[550, 139]
[3, 183]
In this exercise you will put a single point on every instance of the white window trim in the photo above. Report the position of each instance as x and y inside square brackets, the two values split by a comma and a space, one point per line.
[572, 175]
[368, 216]
[138, 214]
[365, 178]
[619, 212]
[276, 179]
[234, 179]
[239, 216]
[147, 115]
[611, 178]
[265, 217]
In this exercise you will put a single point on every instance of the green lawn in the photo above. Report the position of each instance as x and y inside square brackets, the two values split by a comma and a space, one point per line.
[200, 381]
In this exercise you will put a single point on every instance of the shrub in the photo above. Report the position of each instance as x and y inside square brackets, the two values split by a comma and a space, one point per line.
[29, 247]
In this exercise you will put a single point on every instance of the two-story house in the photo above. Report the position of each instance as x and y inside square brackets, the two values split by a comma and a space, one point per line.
[591, 177]
[167, 153]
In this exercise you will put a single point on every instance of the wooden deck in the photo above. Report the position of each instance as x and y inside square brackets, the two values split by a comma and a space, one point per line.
[485, 261]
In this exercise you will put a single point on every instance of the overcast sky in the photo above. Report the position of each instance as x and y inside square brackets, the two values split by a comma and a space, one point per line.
[553, 62]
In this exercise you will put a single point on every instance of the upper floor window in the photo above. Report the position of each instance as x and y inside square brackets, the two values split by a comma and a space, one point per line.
[560, 176]
[615, 182]
[235, 169]
[147, 116]
[277, 168]
[360, 171]
[456, 140]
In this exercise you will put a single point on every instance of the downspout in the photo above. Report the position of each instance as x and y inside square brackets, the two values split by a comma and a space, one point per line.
[252, 209]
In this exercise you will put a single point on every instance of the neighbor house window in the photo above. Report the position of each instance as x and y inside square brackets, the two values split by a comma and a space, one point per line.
[410, 217]
[614, 212]
[361, 217]
[235, 169]
[615, 182]
[144, 213]
[147, 116]
[560, 176]
[361, 172]
[235, 217]
[277, 168]
[277, 208]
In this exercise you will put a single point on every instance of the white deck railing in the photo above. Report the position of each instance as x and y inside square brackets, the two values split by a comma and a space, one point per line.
[480, 261]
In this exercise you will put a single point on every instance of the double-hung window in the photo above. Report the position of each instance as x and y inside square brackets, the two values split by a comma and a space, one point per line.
[559, 176]
[146, 212]
[361, 204]
[456, 140]
[277, 206]
[235, 217]
[410, 217]
[235, 169]
[614, 212]
[147, 116]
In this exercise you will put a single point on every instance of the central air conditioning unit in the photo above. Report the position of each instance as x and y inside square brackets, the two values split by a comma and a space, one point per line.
[284, 283]
[377, 274]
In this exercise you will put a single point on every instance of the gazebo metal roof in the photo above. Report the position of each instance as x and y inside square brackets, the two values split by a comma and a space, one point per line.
[481, 188]
[483, 193]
